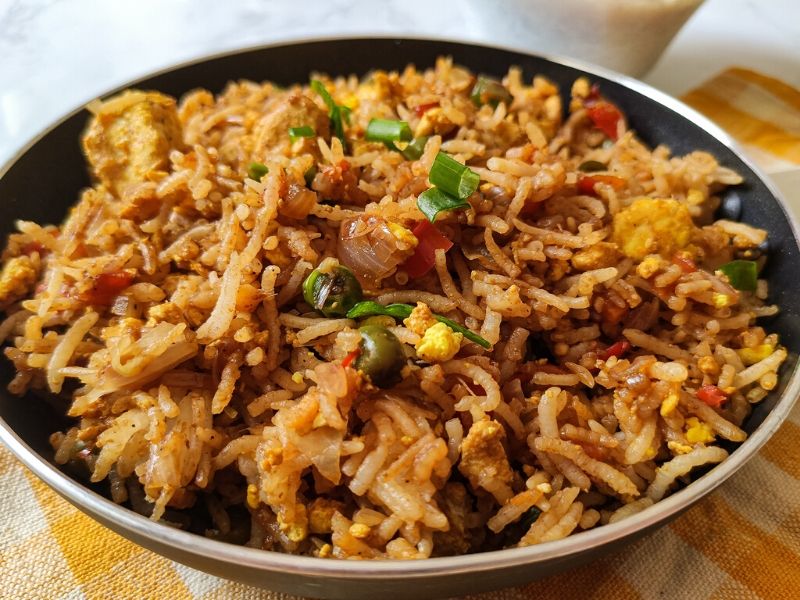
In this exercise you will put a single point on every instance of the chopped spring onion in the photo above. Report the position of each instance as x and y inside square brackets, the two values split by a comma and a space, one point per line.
[743, 274]
[415, 148]
[433, 201]
[388, 131]
[489, 91]
[530, 517]
[257, 170]
[368, 308]
[310, 174]
[452, 177]
[335, 111]
[295, 133]
[592, 166]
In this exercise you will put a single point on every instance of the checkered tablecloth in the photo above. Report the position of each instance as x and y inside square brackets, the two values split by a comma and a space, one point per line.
[743, 541]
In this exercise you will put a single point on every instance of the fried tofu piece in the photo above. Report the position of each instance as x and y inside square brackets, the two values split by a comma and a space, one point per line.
[17, 278]
[297, 110]
[130, 137]
[484, 462]
[652, 226]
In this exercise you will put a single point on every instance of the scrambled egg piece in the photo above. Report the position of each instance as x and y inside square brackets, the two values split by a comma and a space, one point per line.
[484, 462]
[669, 404]
[17, 277]
[403, 235]
[420, 319]
[320, 515]
[435, 121]
[359, 530]
[602, 254]
[679, 448]
[130, 138]
[721, 300]
[252, 496]
[440, 343]
[698, 432]
[649, 266]
[297, 110]
[652, 225]
[751, 356]
[298, 530]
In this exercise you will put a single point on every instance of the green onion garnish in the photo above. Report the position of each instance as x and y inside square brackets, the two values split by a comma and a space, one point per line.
[295, 133]
[489, 91]
[592, 166]
[334, 110]
[257, 170]
[433, 201]
[388, 131]
[743, 274]
[530, 517]
[452, 177]
[368, 308]
[415, 148]
[310, 174]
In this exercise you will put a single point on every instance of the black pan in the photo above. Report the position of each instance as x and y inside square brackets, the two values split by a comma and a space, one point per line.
[44, 180]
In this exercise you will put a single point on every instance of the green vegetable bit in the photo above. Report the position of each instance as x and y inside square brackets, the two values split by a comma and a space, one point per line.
[335, 111]
[388, 131]
[592, 166]
[489, 91]
[381, 358]
[452, 177]
[743, 274]
[295, 133]
[332, 293]
[257, 170]
[309, 175]
[415, 148]
[530, 518]
[433, 201]
[368, 308]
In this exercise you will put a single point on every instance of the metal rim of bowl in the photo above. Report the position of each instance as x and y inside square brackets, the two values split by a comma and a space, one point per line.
[95, 504]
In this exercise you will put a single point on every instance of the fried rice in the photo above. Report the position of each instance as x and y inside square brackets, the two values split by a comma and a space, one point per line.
[168, 315]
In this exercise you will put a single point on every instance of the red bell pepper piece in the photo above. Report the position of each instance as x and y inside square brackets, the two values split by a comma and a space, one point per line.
[106, 287]
[605, 117]
[712, 395]
[429, 239]
[616, 349]
[423, 108]
[685, 262]
[586, 183]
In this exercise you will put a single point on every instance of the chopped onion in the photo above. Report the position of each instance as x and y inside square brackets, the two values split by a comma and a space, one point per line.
[368, 246]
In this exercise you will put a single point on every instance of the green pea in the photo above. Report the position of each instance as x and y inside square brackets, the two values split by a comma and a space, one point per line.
[592, 166]
[381, 357]
[333, 292]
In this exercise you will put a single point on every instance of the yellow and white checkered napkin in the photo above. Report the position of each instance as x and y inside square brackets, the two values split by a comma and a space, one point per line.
[743, 541]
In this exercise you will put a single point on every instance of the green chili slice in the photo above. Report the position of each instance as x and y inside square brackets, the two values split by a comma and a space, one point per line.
[743, 274]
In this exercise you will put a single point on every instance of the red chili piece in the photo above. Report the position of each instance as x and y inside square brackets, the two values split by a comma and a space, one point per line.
[712, 395]
[348, 360]
[586, 183]
[616, 349]
[685, 262]
[423, 108]
[107, 286]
